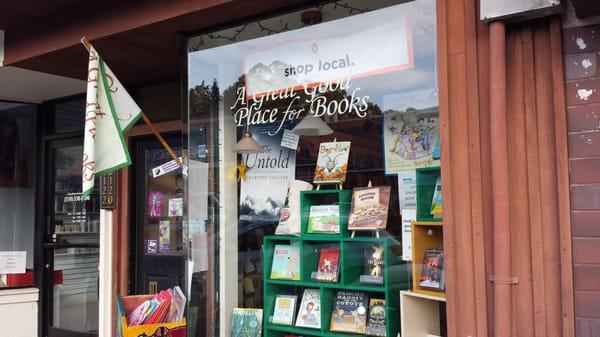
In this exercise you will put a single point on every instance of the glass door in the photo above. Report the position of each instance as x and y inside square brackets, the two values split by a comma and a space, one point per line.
[71, 248]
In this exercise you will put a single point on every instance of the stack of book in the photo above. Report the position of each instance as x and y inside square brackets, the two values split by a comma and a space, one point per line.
[165, 307]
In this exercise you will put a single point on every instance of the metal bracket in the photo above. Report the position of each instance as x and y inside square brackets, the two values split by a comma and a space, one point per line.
[510, 281]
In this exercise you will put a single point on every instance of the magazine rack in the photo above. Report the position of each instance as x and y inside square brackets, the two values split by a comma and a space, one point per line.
[396, 274]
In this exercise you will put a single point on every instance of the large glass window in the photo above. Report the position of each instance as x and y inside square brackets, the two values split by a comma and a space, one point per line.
[291, 120]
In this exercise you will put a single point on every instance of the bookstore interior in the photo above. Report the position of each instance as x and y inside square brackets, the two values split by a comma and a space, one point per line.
[313, 194]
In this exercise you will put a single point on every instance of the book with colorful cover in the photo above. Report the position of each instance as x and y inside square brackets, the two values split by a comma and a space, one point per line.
[332, 163]
[374, 264]
[285, 308]
[369, 210]
[436, 202]
[324, 219]
[432, 273]
[349, 312]
[286, 262]
[246, 322]
[309, 313]
[376, 318]
[327, 269]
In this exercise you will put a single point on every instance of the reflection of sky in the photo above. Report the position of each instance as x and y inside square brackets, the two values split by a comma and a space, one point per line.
[225, 62]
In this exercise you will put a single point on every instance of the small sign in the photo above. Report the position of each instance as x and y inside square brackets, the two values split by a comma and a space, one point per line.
[108, 191]
[13, 262]
[290, 140]
[165, 168]
[152, 247]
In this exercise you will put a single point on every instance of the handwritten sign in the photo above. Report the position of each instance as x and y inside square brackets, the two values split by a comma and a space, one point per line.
[290, 140]
[13, 262]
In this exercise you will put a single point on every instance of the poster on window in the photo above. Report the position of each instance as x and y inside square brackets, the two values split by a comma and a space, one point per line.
[409, 140]
[265, 185]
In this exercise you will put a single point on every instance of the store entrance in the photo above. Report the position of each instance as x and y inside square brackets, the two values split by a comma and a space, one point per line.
[157, 227]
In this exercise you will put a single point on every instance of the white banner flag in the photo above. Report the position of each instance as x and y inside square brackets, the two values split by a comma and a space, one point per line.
[110, 112]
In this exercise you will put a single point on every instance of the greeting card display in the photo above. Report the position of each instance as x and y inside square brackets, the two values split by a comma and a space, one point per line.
[285, 308]
[327, 270]
[369, 210]
[309, 313]
[349, 312]
[332, 163]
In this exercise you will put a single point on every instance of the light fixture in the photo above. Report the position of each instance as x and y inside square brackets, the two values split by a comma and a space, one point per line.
[312, 125]
[248, 144]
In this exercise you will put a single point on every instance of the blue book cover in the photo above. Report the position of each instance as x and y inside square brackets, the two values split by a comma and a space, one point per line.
[286, 262]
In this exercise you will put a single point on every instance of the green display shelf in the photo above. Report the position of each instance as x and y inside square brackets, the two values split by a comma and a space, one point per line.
[426, 178]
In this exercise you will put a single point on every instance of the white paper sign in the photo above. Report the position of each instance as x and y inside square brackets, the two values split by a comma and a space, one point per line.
[408, 216]
[12, 262]
[165, 168]
[290, 140]
[407, 189]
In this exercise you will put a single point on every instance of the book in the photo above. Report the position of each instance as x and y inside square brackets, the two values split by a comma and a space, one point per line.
[324, 219]
[436, 202]
[285, 308]
[432, 273]
[374, 265]
[286, 262]
[332, 163]
[376, 318]
[327, 269]
[309, 313]
[246, 322]
[369, 208]
[349, 312]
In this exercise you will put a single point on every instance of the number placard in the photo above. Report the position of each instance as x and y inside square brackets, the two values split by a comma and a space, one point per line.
[108, 191]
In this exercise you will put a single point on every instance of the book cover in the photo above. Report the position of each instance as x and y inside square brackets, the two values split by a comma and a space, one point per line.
[436, 201]
[332, 163]
[155, 204]
[432, 273]
[246, 322]
[286, 262]
[324, 219]
[349, 312]
[374, 265]
[376, 318]
[327, 269]
[369, 208]
[164, 241]
[176, 207]
[285, 308]
[309, 313]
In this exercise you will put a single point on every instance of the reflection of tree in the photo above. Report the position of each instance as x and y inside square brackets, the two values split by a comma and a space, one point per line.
[203, 99]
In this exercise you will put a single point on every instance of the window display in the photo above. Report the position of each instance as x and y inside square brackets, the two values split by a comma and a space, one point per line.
[323, 135]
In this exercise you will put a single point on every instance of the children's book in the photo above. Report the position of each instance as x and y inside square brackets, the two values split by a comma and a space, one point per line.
[376, 318]
[432, 273]
[369, 209]
[309, 313]
[286, 262]
[285, 308]
[332, 163]
[349, 312]
[246, 322]
[327, 269]
[324, 219]
[436, 202]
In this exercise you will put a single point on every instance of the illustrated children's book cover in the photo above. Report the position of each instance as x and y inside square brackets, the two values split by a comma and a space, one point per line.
[332, 163]
[285, 308]
[376, 318]
[327, 269]
[286, 262]
[369, 208]
[324, 219]
[432, 273]
[349, 312]
[246, 322]
[309, 313]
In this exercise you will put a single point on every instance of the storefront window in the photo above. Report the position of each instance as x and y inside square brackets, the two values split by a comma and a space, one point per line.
[313, 145]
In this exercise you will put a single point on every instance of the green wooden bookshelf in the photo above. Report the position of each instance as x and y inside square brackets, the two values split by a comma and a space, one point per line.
[396, 272]
[426, 178]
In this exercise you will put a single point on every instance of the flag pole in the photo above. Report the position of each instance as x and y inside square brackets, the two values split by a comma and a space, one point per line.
[88, 46]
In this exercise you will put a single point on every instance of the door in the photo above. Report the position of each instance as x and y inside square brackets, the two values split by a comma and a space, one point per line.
[71, 247]
[160, 252]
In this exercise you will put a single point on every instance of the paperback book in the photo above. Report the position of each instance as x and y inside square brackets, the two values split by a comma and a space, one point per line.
[324, 219]
[374, 265]
[436, 202]
[309, 313]
[332, 163]
[246, 322]
[327, 269]
[286, 262]
[349, 312]
[376, 318]
[432, 273]
[285, 308]
[369, 209]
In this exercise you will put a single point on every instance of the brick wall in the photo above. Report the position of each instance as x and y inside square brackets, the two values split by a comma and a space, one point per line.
[581, 48]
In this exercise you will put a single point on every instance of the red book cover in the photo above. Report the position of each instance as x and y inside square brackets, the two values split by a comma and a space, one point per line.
[327, 269]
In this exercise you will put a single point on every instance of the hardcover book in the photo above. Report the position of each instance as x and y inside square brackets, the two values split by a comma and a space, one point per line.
[376, 318]
[332, 163]
[374, 264]
[324, 219]
[286, 262]
[369, 209]
[246, 322]
[309, 313]
[349, 312]
[285, 308]
[436, 202]
[432, 273]
[327, 269]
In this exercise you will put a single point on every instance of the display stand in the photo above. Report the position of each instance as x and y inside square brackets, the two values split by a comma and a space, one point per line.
[396, 275]
[420, 314]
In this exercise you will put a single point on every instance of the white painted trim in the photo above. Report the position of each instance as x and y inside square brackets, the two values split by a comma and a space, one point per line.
[105, 297]
[12, 296]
